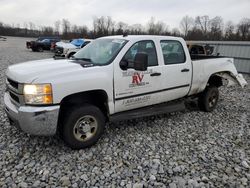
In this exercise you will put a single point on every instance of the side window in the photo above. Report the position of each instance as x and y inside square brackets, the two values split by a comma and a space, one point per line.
[85, 43]
[147, 47]
[173, 52]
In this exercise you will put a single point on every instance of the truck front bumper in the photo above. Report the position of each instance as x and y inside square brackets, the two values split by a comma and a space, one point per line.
[32, 120]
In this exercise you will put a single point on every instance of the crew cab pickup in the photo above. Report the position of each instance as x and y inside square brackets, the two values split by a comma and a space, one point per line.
[112, 78]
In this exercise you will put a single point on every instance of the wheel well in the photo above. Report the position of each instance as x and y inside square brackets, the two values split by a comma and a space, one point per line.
[70, 54]
[215, 81]
[98, 98]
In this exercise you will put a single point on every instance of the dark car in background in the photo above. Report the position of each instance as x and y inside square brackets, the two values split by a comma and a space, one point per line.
[3, 38]
[42, 43]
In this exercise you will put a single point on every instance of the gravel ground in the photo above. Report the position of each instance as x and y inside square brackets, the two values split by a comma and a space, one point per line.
[184, 149]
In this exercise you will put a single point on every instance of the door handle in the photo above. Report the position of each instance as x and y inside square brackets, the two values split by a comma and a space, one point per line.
[155, 74]
[185, 70]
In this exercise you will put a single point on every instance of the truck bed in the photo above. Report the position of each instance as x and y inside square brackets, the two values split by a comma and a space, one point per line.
[203, 57]
[204, 67]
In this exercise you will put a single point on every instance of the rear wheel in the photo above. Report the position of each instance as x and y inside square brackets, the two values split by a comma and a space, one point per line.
[83, 126]
[40, 49]
[208, 100]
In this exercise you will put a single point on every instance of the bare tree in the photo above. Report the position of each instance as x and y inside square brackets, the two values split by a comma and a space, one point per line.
[121, 28]
[136, 29]
[200, 28]
[229, 31]
[155, 28]
[25, 26]
[109, 25]
[151, 25]
[176, 32]
[83, 30]
[244, 28]
[103, 25]
[47, 30]
[186, 24]
[216, 28]
[65, 27]
[32, 26]
[202, 22]
[57, 25]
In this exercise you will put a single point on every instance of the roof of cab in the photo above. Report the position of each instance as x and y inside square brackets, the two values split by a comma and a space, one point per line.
[143, 37]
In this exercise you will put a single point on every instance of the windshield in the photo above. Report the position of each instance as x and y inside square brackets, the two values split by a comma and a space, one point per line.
[100, 51]
[45, 40]
[77, 42]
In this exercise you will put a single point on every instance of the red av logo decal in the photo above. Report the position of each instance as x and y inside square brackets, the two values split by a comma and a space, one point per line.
[137, 78]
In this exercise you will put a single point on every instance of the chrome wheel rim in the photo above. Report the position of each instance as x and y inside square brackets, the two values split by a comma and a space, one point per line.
[85, 128]
[212, 99]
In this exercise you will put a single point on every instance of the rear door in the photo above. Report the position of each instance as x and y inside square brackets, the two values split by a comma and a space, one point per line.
[135, 89]
[177, 69]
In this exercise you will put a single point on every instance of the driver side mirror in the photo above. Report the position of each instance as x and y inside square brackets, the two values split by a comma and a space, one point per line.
[141, 61]
[124, 64]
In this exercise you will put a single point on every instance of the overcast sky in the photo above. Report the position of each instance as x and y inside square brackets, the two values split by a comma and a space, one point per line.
[81, 12]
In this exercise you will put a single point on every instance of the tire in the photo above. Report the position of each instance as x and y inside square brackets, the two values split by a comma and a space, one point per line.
[208, 99]
[40, 49]
[83, 126]
[70, 55]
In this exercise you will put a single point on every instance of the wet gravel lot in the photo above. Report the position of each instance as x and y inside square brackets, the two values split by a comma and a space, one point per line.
[183, 149]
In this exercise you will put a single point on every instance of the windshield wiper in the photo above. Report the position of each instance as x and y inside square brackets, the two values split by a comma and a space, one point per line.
[84, 62]
[82, 59]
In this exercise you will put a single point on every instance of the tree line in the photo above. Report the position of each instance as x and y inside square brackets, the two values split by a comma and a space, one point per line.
[198, 28]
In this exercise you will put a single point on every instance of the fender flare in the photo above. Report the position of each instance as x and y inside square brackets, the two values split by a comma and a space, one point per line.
[233, 79]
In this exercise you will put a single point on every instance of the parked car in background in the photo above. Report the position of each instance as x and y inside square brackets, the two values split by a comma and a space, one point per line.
[2, 38]
[42, 43]
[64, 49]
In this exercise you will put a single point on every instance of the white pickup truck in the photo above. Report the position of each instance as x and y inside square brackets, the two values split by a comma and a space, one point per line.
[67, 50]
[112, 78]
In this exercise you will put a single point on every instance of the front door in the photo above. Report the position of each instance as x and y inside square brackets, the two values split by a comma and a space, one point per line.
[135, 89]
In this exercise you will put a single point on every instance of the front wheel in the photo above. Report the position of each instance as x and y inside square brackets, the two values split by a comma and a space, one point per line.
[70, 55]
[83, 126]
[208, 100]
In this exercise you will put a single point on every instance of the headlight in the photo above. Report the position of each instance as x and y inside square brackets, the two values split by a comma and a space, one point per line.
[38, 94]
[66, 51]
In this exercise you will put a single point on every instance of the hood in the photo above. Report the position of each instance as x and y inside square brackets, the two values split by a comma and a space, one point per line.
[65, 45]
[32, 71]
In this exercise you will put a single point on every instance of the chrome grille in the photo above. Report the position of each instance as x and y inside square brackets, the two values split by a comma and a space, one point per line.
[15, 91]
[58, 50]
[14, 97]
[13, 83]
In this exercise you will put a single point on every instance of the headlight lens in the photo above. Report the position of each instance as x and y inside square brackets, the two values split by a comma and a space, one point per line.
[38, 94]
[66, 51]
